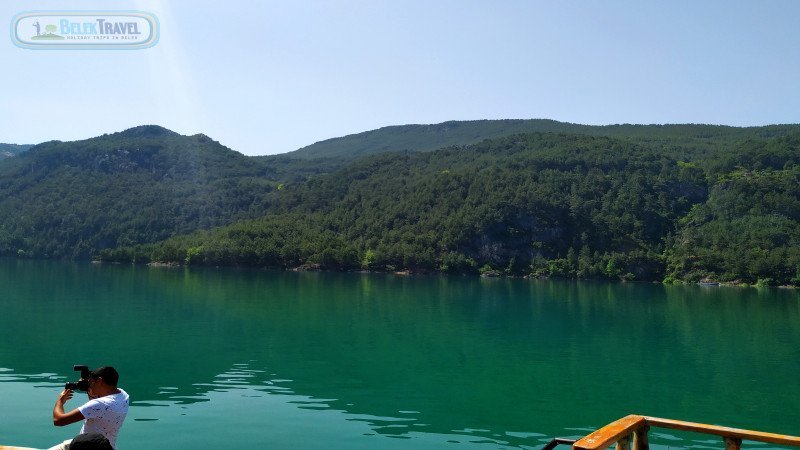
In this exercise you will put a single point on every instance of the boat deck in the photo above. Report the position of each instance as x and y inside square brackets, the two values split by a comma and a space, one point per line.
[630, 433]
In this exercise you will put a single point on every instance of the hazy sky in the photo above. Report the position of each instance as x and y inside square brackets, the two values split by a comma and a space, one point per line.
[270, 77]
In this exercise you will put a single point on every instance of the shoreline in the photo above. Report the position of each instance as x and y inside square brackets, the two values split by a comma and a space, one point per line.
[491, 275]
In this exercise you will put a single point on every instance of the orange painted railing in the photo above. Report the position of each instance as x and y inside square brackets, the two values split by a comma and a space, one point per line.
[631, 431]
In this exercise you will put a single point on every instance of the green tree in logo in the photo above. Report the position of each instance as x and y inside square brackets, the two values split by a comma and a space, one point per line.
[50, 33]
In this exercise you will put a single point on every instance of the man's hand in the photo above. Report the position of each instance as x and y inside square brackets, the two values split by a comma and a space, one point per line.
[59, 417]
[64, 396]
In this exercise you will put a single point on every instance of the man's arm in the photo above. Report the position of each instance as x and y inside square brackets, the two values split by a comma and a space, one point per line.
[59, 417]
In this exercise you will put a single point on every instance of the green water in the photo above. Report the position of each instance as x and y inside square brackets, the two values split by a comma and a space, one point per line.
[224, 358]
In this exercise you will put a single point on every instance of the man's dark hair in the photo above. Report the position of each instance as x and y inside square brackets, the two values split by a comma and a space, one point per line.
[108, 374]
[90, 441]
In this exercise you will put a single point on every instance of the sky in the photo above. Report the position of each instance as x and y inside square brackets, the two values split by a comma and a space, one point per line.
[267, 77]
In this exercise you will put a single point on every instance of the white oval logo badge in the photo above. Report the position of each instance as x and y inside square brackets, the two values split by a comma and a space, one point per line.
[71, 30]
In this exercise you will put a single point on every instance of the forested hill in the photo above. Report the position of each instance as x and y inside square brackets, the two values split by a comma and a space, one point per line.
[9, 150]
[542, 204]
[70, 199]
[634, 202]
[433, 137]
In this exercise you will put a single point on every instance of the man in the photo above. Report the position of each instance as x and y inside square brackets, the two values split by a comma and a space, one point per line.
[103, 413]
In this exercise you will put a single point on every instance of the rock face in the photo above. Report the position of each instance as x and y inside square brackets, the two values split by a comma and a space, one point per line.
[512, 238]
[10, 150]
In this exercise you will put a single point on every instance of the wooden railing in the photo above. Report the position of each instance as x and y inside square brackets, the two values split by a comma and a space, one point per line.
[631, 431]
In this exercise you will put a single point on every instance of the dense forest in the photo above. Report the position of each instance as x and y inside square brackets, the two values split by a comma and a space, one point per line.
[427, 138]
[538, 204]
[71, 199]
[630, 202]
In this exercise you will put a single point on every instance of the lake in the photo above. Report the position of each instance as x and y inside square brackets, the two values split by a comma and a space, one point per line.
[235, 358]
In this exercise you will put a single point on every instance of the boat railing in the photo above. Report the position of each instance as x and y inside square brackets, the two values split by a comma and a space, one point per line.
[630, 433]
[550, 445]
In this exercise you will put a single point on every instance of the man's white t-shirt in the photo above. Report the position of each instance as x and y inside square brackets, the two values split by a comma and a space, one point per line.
[104, 415]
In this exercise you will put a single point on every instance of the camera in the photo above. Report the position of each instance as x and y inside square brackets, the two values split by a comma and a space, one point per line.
[83, 383]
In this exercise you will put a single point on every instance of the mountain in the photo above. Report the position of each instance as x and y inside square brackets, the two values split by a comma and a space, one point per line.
[431, 137]
[640, 202]
[70, 199]
[9, 150]
[540, 204]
